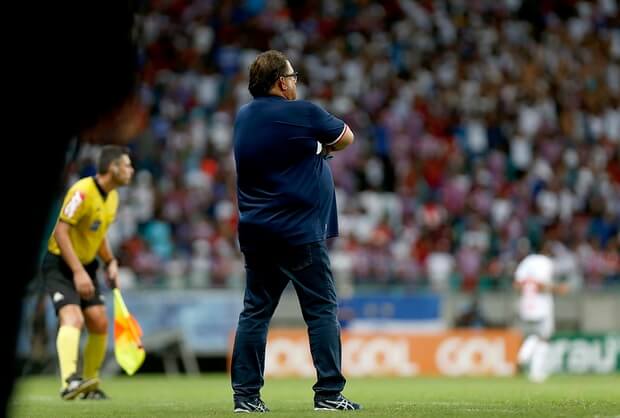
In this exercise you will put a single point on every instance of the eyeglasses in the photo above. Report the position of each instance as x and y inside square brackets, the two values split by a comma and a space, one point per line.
[293, 74]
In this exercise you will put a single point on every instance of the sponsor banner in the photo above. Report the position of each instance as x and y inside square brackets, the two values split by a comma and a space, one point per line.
[451, 353]
[425, 306]
[580, 354]
[393, 313]
[205, 318]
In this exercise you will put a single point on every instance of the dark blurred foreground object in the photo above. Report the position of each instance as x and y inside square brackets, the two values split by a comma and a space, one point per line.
[74, 78]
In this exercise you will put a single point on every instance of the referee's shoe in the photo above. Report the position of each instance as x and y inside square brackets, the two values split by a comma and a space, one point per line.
[76, 385]
[336, 403]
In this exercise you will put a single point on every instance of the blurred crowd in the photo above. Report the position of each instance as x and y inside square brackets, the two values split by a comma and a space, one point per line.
[485, 130]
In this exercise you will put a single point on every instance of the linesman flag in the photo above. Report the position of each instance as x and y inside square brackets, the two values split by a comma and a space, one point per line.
[128, 348]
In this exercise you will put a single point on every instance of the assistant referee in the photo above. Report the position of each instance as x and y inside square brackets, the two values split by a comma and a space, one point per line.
[70, 265]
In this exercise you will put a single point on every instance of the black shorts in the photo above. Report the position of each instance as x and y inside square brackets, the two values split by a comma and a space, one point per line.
[58, 279]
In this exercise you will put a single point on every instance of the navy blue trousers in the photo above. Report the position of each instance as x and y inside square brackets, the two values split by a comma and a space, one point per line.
[268, 272]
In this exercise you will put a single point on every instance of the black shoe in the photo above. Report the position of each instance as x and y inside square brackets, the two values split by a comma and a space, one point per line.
[76, 386]
[337, 403]
[96, 395]
[250, 405]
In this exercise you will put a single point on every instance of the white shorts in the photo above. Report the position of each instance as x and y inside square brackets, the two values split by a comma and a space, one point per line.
[544, 327]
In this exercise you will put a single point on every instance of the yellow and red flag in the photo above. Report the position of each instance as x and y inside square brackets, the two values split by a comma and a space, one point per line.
[128, 348]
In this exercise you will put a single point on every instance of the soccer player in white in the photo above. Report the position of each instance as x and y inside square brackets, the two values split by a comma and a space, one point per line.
[534, 281]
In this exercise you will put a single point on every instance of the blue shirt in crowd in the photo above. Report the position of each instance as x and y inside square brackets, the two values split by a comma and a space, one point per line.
[285, 188]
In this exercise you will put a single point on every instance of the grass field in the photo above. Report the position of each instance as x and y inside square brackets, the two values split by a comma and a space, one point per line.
[210, 396]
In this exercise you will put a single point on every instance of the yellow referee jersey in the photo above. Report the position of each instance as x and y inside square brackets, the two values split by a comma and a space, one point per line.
[91, 212]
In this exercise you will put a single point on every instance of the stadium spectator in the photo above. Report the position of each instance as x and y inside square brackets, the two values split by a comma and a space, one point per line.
[473, 122]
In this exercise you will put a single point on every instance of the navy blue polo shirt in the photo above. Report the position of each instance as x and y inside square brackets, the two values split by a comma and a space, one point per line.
[285, 189]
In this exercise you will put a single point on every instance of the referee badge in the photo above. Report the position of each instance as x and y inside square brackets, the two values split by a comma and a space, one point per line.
[95, 225]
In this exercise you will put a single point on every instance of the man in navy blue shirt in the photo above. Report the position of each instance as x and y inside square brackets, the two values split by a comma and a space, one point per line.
[287, 208]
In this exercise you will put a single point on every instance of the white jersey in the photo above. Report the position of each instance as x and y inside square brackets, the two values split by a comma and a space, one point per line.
[533, 304]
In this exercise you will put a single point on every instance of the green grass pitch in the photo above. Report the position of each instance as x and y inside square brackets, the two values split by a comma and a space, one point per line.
[210, 396]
